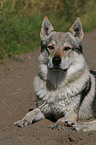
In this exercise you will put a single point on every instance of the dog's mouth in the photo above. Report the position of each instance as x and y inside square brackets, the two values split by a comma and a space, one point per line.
[58, 68]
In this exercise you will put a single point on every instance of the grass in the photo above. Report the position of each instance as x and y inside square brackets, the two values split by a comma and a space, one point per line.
[20, 21]
[19, 34]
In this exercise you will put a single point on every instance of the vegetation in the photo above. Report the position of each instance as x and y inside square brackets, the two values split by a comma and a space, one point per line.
[20, 21]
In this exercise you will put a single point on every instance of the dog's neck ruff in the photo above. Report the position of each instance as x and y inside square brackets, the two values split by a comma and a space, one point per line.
[63, 91]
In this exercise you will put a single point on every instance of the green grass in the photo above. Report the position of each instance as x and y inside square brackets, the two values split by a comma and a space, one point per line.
[19, 34]
[20, 21]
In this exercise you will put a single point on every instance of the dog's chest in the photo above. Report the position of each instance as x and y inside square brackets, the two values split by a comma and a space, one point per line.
[56, 102]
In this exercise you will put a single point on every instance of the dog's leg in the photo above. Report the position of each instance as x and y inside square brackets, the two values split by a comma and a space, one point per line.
[68, 120]
[85, 126]
[30, 117]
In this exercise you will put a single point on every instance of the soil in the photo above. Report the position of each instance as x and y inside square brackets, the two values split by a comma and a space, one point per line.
[17, 96]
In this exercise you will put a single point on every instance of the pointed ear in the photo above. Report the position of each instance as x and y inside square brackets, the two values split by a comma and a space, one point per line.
[46, 28]
[77, 30]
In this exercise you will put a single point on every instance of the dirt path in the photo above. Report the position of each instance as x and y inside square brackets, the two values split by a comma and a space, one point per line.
[17, 96]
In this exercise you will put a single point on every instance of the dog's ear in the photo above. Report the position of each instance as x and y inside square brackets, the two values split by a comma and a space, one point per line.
[77, 30]
[46, 28]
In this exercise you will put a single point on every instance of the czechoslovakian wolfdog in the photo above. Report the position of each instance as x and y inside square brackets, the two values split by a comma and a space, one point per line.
[65, 88]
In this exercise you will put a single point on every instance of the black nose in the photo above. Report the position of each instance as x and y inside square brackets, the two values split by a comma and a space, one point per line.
[56, 60]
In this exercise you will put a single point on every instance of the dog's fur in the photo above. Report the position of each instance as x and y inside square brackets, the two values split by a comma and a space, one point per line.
[65, 88]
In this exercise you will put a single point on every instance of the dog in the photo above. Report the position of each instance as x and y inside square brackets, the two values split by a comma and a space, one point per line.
[65, 88]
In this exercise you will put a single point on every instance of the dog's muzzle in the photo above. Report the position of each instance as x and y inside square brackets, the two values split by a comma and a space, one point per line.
[56, 64]
[56, 61]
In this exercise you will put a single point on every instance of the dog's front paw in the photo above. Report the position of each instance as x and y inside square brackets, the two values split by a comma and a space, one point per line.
[22, 123]
[59, 125]
[28, 119]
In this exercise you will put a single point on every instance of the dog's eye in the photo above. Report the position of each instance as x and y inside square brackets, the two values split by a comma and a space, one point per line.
[67, 48]
[50, 47]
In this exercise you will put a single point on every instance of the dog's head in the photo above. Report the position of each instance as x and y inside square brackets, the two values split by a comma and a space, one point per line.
[60, 46]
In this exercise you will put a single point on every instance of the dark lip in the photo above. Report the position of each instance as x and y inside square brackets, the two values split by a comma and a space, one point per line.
[58, 68]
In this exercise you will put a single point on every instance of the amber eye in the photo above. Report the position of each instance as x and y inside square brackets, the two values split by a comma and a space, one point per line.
[67, 48]
[51, 47]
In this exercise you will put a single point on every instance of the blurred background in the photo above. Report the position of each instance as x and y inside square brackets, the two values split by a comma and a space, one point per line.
[20, 21]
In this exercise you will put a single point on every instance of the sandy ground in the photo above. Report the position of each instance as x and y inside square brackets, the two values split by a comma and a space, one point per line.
[17, 96]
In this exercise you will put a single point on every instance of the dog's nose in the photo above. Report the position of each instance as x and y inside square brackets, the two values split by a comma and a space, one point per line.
[56, 60]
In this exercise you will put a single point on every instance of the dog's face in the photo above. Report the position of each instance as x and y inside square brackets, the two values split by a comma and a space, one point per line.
[60, 47]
